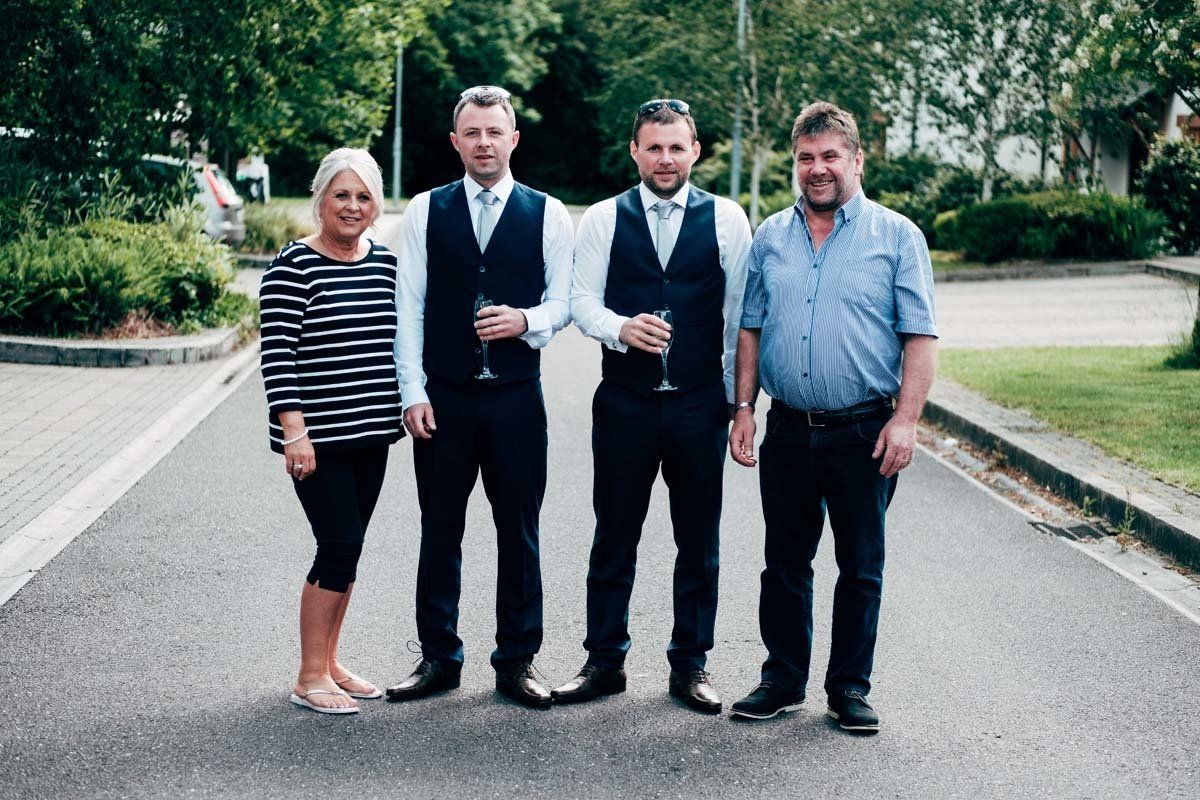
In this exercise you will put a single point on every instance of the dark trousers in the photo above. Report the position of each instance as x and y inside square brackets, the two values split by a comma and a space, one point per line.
[338, 500]
[633, 436]
[499, 432]
[803, 472]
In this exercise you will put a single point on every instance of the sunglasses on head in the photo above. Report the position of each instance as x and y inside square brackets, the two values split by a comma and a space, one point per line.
[477, 90]
[650, 106]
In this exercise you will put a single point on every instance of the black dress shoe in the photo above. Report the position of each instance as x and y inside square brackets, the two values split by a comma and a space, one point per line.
[695, 689]
[428, 678]
[853, 712]
[592, 681]
[767, 700]
[518, 684]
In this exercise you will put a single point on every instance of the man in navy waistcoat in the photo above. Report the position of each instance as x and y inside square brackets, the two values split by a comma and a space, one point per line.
[471, 390]
[664, 245]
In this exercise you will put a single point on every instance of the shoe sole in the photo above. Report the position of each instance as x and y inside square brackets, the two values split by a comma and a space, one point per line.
[692, 704]
[829, 712]
[451, 683]
[737, 712]
[575, 698]
[296, 699]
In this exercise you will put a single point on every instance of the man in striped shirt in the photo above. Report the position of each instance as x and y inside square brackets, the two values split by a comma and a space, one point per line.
[838, 321]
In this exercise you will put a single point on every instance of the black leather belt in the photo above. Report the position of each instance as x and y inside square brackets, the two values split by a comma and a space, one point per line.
[872, 409]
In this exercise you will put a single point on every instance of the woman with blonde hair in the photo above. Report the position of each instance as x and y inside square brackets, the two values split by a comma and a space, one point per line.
[328, 327]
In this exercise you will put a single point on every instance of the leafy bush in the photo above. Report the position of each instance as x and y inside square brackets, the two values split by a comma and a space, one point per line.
[1170, 183]
[1056, 225]
[87, 278]
[270, 227]
[920, 188]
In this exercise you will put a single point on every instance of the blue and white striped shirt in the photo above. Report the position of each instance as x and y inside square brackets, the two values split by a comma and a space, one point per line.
[832, 319]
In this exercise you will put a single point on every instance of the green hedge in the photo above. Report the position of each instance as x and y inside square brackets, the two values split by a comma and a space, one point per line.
[1053, 225]
[1170, 183]
[89, 278]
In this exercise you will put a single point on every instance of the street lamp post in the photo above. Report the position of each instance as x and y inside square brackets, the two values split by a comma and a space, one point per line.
[735, 157]
[397, 136]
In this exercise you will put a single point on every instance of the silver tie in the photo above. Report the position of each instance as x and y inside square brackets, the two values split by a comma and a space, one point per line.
[664, 236]
[487, 217]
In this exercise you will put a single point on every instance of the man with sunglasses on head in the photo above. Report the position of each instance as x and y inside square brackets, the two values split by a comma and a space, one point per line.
[473, 411]
[664, 245]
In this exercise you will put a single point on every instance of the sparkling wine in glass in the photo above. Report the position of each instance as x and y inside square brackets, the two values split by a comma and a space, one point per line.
[665, 316]
[486, 373]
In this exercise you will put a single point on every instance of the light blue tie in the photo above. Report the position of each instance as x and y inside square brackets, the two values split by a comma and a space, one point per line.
[487, 217]
[664, 237]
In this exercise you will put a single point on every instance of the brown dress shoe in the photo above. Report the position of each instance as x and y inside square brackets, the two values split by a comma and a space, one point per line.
[694, 689]
[428, 678]
[518, 684]
[592, 681]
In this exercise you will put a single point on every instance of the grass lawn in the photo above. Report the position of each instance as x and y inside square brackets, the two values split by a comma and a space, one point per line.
[949, 259]
[1120, 398]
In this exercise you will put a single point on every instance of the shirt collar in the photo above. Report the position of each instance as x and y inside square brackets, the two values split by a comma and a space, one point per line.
[847, 210]
[649, 198]
[502, 189]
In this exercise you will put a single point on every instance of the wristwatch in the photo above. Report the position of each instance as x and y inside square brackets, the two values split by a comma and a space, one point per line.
[744, 404]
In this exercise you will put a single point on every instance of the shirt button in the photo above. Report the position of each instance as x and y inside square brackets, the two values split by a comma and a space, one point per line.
[805, 375]
[809, 300]
[483, 269]
[666, 280]
[804, 338]
[478, 350]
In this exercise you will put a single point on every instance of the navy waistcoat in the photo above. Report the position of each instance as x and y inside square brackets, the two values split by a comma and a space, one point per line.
[692, 287]
[509, 272]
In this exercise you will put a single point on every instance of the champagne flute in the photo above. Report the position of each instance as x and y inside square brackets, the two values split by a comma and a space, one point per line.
[665, 316]
[485, 374]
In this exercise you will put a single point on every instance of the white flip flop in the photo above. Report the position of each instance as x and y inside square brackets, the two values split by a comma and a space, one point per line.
[360, 695]
[302, 700]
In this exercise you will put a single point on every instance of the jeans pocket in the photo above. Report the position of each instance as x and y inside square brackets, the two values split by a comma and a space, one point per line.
[869, 430]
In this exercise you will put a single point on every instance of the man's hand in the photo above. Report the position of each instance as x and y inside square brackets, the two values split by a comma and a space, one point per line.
[896, 443]
[646, 332]
[419, 420]
[500, 322]
[741, 437]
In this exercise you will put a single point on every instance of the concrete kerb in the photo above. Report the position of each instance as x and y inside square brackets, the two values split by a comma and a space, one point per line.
[1142, 515]
[1159, 267]
[123, 352]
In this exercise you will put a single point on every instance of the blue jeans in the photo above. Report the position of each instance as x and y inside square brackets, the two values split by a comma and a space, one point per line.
[806, 471]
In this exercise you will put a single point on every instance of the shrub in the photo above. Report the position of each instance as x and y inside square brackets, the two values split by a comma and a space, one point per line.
[270, 227]
[1058, 225]
[87, 278]
[1170, 182]
[945, 226]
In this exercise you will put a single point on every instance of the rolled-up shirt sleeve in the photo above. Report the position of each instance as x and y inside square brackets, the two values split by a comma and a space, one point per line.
[913, 285]
[412, 274]
[554, 312]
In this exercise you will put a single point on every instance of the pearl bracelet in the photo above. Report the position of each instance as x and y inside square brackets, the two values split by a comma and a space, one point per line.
[286, 442]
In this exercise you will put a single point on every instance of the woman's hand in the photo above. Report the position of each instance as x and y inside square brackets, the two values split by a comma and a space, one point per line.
[300, 459]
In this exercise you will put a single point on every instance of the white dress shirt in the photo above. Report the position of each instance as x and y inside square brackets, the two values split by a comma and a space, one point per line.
[593, 243]
[544, 320]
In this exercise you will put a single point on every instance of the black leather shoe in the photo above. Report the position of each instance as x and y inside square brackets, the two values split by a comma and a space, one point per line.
[518, 684]
[428, 678]
[853, 712]
[767, 700]
[592, 681]
[695, 689]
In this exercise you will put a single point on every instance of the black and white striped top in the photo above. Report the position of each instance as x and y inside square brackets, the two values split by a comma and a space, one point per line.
[328, 329]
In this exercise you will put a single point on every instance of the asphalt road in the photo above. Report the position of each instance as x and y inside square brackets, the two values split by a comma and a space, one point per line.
[154, 656]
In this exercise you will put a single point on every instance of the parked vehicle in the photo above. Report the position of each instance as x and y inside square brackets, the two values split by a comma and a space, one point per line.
[223, 207]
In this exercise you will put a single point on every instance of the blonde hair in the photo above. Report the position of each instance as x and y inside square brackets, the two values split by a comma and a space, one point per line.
[358, 161]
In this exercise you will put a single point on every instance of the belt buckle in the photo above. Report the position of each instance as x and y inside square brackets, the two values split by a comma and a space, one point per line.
[811, 424]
